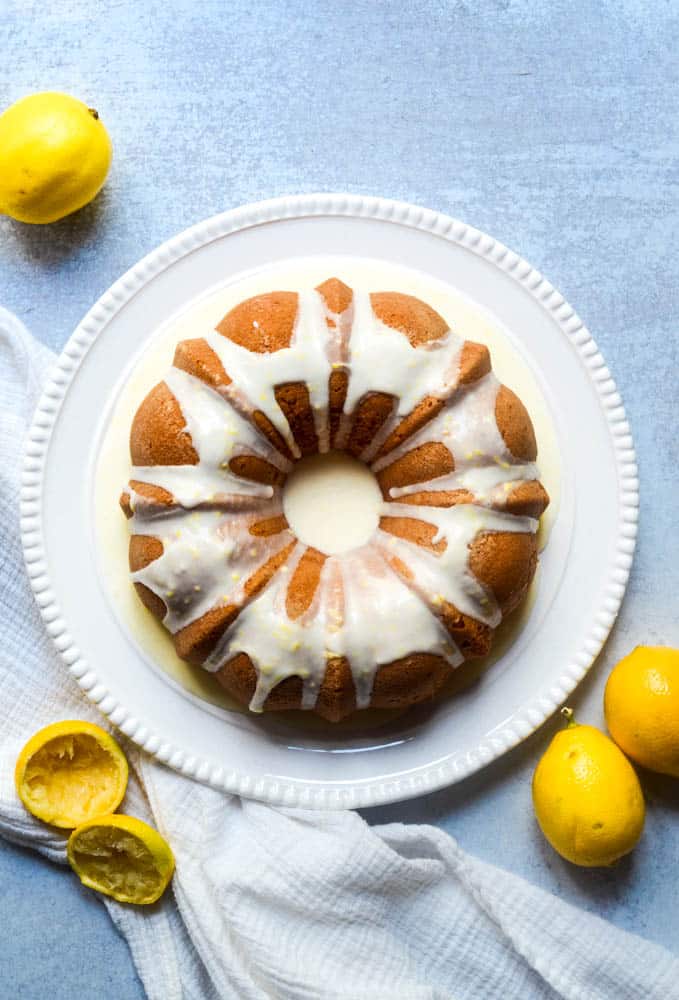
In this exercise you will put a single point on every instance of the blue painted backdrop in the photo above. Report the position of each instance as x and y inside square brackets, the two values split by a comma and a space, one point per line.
[551, 124]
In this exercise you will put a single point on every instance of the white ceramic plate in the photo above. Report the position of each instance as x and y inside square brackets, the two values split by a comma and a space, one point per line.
[584, 569]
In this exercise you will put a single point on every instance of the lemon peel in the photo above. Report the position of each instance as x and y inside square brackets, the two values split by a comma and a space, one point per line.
[69, 772]
[122, 857]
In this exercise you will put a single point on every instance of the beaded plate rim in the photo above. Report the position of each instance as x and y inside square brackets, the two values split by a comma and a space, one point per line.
[279, 791]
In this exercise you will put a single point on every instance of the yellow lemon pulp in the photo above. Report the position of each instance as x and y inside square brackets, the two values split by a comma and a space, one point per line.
[587, 797]
[122, 857]
[54, 157]
[70, 772]
[641, 704]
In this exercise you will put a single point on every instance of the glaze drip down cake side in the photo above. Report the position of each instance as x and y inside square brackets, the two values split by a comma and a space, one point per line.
[381, 377]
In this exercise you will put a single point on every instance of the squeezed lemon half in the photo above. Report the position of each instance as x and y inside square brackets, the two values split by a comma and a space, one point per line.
[70, 772]
[122, 857]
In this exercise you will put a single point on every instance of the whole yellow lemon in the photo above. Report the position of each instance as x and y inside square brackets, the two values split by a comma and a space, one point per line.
[587, 797]
[641, 704]
[54, 157]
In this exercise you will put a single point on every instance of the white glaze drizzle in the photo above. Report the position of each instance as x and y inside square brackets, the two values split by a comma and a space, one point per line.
[446, 576]
[277, 645]
[361, 609]
[385, 620]
[372, 618]
[467, 427]
[339, 331]
[491, 485]
[218, 434]
[382, 359]
[305, 360]
[207, 558]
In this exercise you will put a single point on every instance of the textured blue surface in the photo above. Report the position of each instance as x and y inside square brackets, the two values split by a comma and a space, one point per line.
[552, 125]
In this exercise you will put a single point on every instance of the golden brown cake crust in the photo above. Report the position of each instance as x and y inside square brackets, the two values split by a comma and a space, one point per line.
[197, 358]
[420, 674]
[417, 320]
[262, 422]
[474, 362]
[425, 411]
[370, 415]
[293, 399]
[155, 495]
[503, 562]
[336, 697]
[423, 463]
[269, 526]
[142, 551]
[336, 295]
[158, 436]
[515, 425]
[337, 391]
[258, 470]
[526, 499]
[304, 583]
[263, 324]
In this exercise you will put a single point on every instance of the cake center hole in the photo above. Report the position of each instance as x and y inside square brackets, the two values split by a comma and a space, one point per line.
[332, 502]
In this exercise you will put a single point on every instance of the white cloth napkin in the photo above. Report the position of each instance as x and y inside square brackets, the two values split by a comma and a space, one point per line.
[288, 903]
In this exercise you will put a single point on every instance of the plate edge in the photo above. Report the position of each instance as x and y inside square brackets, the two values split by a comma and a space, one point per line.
[278, 791]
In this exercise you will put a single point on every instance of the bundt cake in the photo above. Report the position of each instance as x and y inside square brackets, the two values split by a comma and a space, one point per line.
[382, 377]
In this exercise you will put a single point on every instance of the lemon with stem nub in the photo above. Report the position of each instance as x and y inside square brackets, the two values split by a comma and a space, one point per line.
[55, 154]
[122, 857]
[70, 772]
[587, 796]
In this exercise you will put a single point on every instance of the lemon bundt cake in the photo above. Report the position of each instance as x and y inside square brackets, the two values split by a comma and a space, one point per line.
[382, 377]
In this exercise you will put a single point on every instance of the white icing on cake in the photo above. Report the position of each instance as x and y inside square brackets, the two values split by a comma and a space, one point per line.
[446, 576]
[467, 427]
[381, 359]
[218, 434]
[385, 620]
[305, 360]
[207, 558]
[371, 618]
[362, 609]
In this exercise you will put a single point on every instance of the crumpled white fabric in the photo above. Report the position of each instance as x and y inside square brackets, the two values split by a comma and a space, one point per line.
[288, 903]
